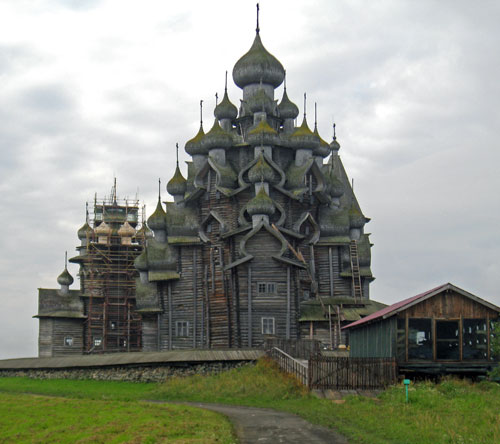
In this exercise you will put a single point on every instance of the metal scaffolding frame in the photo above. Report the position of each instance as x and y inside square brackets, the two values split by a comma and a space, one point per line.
[108, 278]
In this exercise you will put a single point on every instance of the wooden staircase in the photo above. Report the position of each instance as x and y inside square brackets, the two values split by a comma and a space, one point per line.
[357, 291]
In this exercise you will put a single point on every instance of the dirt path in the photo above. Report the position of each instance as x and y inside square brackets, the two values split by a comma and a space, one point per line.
[256, 425]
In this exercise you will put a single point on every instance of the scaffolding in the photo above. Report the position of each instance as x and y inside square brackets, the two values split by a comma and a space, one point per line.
[108, 276]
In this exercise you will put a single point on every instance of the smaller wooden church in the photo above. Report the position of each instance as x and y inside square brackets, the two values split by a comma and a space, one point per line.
[443, 330]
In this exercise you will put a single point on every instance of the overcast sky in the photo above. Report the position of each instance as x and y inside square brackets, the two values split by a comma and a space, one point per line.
[92, 89]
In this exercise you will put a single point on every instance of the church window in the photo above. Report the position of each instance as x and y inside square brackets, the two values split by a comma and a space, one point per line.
[268, 326]
[182, 329]
[266, 287]
[68, 341]
[97, 342]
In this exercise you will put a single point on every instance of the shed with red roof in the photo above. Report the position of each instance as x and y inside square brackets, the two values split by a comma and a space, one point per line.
[443, 330]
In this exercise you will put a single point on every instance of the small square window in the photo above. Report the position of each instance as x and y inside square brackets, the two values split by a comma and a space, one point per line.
[182, 328]
[261, 287]
[68, 341]
[268, 326]
[271, 287]
[97, 342]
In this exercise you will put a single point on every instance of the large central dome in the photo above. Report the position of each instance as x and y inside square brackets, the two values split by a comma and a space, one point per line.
[258, 65]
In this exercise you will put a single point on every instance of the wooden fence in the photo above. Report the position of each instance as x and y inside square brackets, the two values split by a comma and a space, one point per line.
[338, 373]
[298, 348]
[289, 364]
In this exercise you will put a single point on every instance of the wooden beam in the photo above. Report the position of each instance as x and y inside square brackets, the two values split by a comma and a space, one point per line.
[249, 305]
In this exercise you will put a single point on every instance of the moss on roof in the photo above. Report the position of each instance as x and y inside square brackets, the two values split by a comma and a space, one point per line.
[157, 220]
[178, 184]
[323, 149]
[261, 204]
[217, 137]
[194, 145]
[262, 172]
[287, 109]
[295, 175]
[356, 218]
[225, 109]
[258, 65]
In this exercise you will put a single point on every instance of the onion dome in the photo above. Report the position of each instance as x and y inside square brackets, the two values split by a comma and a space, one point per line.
[126, 230]
[256, 65]
[323, 149]
[262, 172]
[225, 109]
[356, 218]
[217, 138]
[304, 138]
[103, 229]
[84, 231]
[334, 145]
[157, 220]
[261, 204]
[260, 101]
[286, 108]
[177, 185]
[262, 134]
[194, 145]
[144, 231]
[65, 278]
[141, 261]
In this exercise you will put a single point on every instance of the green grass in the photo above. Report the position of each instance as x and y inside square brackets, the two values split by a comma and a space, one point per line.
[453, 412]
[42, 419]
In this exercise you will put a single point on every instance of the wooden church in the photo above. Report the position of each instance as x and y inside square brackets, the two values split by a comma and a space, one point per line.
[265, 224]
[263, 239]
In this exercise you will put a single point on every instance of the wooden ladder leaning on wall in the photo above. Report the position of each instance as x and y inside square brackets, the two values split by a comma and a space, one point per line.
[357, 291]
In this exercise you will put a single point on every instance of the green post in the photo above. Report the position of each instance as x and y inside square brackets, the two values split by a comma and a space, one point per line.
[406, 382]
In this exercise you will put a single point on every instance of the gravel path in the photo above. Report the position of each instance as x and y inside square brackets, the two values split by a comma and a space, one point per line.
[256, 425]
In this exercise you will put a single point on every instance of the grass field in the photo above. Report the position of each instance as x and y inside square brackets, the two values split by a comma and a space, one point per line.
[453, 412]
[26, 418]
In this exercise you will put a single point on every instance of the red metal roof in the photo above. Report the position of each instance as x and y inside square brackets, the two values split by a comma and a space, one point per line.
[398, 306]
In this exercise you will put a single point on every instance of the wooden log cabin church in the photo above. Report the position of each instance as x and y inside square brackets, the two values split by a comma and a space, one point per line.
[264, 238]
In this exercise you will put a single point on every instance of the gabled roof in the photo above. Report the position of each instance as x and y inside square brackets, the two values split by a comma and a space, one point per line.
[393, 309]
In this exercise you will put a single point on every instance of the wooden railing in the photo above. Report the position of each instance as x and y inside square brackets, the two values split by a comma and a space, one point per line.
[298, 348]
[351, 373]
[289, 364]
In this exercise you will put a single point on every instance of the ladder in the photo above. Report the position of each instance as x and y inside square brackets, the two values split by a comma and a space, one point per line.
[357, 292]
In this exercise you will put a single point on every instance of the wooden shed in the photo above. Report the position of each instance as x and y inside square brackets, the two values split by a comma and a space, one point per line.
[443, 330]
